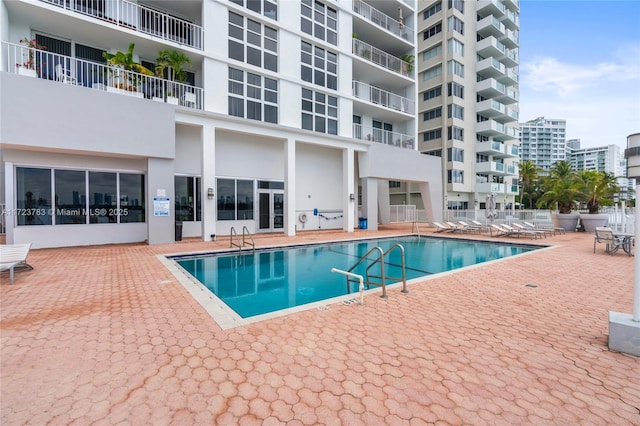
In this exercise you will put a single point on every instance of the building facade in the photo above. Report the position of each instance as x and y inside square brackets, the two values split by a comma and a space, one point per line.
[121, 119]
[543, 141]
[468, 56]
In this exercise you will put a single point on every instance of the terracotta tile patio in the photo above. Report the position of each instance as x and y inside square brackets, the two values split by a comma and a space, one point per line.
[106, 335]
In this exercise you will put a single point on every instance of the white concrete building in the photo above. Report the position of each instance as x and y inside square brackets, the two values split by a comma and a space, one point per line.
[289, 116]
[468, 56]
[544, 142]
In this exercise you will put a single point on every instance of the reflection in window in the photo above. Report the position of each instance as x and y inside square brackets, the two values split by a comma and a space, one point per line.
[188, 196]
[131, 198]
[235, 199]
[33, 198]
[71, 197]
[102, 197]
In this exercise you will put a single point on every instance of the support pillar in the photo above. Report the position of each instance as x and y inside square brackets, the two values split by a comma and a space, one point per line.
[290, 218]
[209, 206]
[349, 198]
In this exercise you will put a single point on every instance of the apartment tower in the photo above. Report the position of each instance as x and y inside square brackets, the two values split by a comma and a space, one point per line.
[544, 142]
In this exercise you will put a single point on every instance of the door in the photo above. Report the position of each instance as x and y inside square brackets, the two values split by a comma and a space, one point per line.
[271, 210]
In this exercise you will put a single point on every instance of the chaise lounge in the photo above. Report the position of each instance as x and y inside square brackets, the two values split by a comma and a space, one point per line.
[12, 256]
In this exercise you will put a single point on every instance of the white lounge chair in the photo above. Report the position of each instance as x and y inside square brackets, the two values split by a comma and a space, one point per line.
[500, 231]
[539, 232]
[518, 231]
[12, 256]
[441, 228]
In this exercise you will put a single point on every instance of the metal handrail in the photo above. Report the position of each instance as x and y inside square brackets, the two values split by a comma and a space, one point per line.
[404, 273]
[231, 234]
[352, 275]
[244, 235]
[368, 281]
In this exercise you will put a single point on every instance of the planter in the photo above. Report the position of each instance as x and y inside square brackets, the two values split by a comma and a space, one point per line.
[567, 221]
[172, 100]
[592, 221]
[27, 71]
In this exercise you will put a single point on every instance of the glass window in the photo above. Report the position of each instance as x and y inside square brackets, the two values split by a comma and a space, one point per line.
[432, 10]
[261, 47]
[132, 201]
[261, 100]
[432, 93]
[245, 199]
[185, 199]
[33, 198]
[226, 190]
[322, 113]
[71, 197]
[102, 197]
[319, 20]
[431, 53]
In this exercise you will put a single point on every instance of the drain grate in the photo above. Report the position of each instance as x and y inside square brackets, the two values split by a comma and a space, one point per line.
[531, 285]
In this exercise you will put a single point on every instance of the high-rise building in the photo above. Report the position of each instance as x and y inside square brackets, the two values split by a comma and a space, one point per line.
[279, 116]
[468, 56]
[543, 141]
[609, 159]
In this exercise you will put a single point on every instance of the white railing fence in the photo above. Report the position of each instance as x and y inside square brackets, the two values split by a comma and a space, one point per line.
[386, 137]
[403, 213]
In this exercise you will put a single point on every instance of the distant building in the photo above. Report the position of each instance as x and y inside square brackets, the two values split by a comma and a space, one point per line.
[608, 159]
[543, 142]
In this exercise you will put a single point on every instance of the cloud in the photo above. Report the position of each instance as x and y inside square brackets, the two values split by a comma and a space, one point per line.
[563, 79]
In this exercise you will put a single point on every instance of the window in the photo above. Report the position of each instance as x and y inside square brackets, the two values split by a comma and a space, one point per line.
[253, 43]
[432, 93]
[319, 112]
[432, 73]
[319, 66]
[430, 32]
[455, 111]
[455, 176]
[431, 135]
[235, 199]
[80, 197]
[319, 20]
[456, 133]
[455, 89]
[455, 154]
[455, 68]
[253, 96]
[455, 24]
[188, 198]
[431, 53]
[457, 4]
[268, 8]
[432, 114]
[432, 10]
[394, 184]
[455, 47]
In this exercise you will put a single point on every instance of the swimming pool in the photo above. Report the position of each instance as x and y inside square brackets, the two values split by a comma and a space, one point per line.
[275, 279]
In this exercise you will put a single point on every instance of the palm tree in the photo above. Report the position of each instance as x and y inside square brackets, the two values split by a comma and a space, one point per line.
[528, 176]
[173, 60]
[126, 62]
[562, 187]
[597, 186]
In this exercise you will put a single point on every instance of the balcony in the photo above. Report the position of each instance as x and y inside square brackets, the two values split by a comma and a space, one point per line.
[490, 108]
[494, 168]
[493, 7]
[367, 133]
[62, 69]
[490, 46]
[123, 13]
[511, 20]
[381, 97]
[491, 68]
[490, 88]
[381, 58]
[489, 187]
[510, 57]
[381, 19]
[509, 96]
[493, 148]
[490, 26]
[511, 39]
[510, 77]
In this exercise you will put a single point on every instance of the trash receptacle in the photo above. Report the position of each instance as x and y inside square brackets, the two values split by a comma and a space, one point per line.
[363, 222]
[178, 231]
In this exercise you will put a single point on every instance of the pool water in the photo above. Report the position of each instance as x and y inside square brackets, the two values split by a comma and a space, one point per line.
[271, 280]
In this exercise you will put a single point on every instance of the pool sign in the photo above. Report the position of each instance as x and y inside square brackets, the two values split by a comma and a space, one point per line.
[161, 206]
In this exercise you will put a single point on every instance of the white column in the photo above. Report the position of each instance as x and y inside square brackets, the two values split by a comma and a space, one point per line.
[290, 218]
[209, 206]
[348, 204]
[10, 202]
[636, 287]
[370, 202]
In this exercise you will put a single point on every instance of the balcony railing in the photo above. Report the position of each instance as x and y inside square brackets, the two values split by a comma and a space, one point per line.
[384, 98]
[386, 22]
[386, 137]
[139, 18]
[380, 57]
[19, 59]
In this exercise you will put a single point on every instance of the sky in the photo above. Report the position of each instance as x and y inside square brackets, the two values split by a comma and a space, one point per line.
[580, 61]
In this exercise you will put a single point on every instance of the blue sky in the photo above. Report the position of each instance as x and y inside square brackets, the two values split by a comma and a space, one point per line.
[580, 61]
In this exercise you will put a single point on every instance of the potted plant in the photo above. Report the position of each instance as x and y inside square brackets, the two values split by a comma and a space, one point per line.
[597, 187]
[407, 64]
[28, 67]
[125, 76]
[175, 62]
[562, 189]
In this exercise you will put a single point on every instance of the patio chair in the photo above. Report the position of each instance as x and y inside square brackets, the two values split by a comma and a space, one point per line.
[500, 231]
[63, 75]
[455, 227]
[518, 231]
[471, 228]
[441, 228]
[612, 242]
[539, 232]
[12, 256]
[555, 229]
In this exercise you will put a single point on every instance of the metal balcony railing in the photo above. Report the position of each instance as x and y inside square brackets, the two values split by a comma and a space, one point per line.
[385, 21]
[386, 137]
[18, 59]
[382, 97]
[139, 18]
[380, 57]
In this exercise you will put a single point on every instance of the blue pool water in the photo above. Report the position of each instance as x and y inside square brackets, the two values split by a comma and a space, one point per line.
[270, 280]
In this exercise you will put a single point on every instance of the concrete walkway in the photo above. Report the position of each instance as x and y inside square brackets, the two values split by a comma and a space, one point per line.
[106, 335]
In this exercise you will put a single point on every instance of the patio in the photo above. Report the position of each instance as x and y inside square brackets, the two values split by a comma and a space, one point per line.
[106, 335]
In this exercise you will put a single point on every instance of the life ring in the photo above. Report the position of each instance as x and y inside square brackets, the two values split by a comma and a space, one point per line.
[303, 217]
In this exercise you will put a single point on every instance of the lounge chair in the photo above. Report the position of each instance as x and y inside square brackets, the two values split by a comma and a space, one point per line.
[613, 242]
[12, 256]
[472, 228]
[454, 227]
[518, 231]
[540, 232]
[500, 231]
[555, 229]
[441, 228]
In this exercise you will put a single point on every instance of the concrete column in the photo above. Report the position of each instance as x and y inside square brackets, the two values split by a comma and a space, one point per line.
[290, 218]
[160, 227]
[349, 205]
[384, 204]
[370, 202]
[209, 206]
[9, 201]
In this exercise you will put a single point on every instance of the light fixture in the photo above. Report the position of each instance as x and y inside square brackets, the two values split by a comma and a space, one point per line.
[210, 193]
[352, 197]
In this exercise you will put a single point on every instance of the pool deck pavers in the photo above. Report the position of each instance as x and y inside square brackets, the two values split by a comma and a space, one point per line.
[106, 335]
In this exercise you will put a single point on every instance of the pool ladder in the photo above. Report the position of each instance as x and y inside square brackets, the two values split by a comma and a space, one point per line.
[244, 242]
[379, 259]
